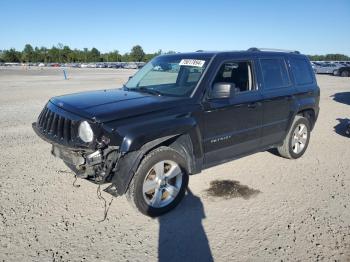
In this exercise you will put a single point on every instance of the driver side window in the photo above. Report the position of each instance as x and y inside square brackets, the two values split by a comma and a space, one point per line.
[238, 73]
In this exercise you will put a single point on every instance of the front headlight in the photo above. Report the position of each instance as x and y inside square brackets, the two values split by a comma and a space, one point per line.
[85, 132]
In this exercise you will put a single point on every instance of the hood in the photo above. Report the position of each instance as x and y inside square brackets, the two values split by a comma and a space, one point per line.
[113, 104]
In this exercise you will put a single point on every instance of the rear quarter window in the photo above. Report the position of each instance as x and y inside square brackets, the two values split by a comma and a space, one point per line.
[301, 71]
[275, 73]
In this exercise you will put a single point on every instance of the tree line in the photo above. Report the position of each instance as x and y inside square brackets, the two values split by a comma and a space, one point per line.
[329, 57]
[64, 54]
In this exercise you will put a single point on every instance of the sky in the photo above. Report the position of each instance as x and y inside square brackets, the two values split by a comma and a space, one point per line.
[311, 27]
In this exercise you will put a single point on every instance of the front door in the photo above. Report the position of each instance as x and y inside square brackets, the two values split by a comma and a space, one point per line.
[232, 126]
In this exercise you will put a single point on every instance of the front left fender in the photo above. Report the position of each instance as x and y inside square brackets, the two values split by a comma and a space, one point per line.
[140, 140]
[135, 136]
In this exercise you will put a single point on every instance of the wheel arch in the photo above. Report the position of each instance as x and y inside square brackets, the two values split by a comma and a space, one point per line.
[187, 144]
[310, 114]
[182, 144]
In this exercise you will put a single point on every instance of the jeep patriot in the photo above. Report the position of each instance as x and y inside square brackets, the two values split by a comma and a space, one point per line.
[182, 113]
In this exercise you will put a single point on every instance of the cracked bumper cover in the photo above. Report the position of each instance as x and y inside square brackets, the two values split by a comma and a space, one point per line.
[108, 163]
[77, 158]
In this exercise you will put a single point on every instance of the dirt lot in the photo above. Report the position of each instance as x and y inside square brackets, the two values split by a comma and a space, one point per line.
[273, 208]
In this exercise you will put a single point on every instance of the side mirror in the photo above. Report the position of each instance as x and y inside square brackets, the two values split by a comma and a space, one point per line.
[223, 90]
[130, 77]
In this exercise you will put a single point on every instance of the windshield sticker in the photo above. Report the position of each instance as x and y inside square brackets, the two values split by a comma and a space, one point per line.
[192, 62]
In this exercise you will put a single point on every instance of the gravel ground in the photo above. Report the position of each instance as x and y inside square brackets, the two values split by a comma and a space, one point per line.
[258, 208]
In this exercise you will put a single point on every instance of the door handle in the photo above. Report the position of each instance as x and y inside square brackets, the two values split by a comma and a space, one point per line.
[253, 105]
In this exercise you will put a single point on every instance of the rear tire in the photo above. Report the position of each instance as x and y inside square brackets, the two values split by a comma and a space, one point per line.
[297, 139]
[159, 183]
[344, 74]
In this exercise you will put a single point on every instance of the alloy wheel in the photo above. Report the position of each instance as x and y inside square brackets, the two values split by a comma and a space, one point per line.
[162, 183]
[299, 139]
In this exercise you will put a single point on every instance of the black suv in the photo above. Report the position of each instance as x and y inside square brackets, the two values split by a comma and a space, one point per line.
[180, 114]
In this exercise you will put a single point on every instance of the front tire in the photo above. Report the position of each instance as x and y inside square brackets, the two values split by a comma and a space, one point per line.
[297, 139]
[159, 183]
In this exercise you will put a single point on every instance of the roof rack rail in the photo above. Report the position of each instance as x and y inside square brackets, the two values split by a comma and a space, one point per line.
[255, 49]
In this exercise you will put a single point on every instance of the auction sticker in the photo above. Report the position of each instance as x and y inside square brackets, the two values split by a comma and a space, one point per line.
[192, 62]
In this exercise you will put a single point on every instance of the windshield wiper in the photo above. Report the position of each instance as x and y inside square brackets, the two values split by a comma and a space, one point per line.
[143, 90]
[149, 91]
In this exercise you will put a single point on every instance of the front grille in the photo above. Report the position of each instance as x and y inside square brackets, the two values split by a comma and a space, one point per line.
[54, 125]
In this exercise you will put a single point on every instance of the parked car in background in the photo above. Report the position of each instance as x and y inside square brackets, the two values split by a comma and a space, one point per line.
[326, 68]
[131, 66]
[140, 64]
[12, 64]
[344, 63]
[101, 65]
[344, 71]
[114, 65]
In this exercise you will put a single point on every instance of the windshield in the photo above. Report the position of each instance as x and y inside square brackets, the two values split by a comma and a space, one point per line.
[168, 75]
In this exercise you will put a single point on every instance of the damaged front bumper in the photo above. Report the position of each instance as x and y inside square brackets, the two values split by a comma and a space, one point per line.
[77, 158]
[98, 166]
[101, 163]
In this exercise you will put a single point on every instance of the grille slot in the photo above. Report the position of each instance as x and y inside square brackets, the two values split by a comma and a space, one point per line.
[55, 125]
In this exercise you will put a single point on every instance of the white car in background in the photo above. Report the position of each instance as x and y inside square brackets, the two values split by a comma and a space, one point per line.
[326, 68]
[131, 66]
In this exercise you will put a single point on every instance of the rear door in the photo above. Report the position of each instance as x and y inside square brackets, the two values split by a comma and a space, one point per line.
[278, 98]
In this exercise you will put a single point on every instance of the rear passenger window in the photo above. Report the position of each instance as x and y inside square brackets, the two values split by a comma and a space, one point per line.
[301, 71]
[275, 73]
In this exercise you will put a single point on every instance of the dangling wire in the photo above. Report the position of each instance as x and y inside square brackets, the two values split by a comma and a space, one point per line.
[75, 180]
[100, 197]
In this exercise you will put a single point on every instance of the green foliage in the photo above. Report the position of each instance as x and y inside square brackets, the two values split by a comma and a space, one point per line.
[64, 54]
[329, 57]
[12, 56]
[94, 55]
[137, 54]
[113, 56]
[28, 53]
[1, 56]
